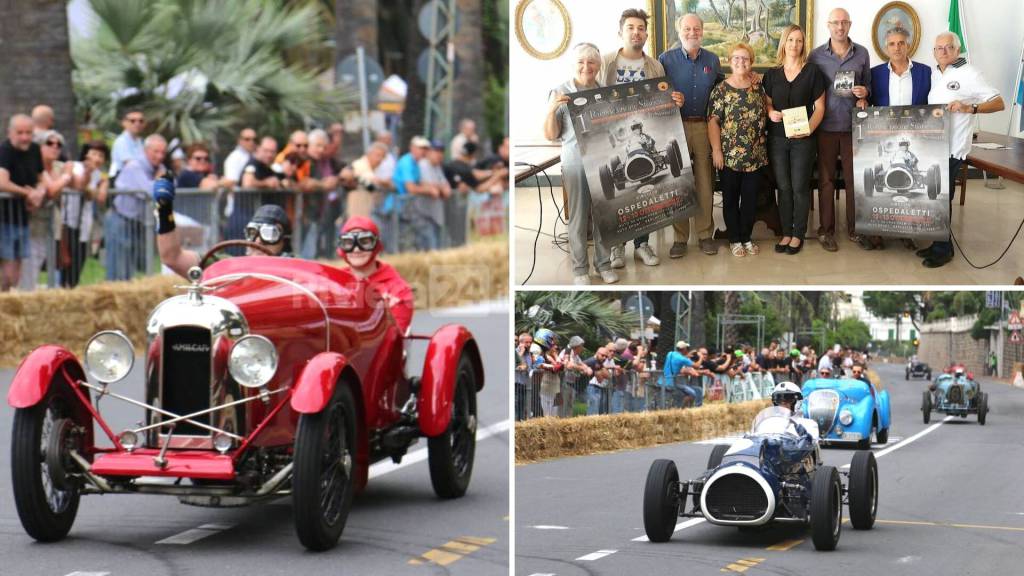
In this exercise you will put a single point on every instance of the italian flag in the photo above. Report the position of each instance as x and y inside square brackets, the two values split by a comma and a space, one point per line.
[956, 25]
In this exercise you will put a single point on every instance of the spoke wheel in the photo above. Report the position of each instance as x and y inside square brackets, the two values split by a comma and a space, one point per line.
[324, 471]
[452, 453]
[47, 508]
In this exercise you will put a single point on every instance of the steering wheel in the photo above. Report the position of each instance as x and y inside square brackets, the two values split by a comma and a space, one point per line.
[204, 261]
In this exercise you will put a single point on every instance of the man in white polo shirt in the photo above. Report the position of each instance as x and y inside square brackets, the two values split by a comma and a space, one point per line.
[965, 92]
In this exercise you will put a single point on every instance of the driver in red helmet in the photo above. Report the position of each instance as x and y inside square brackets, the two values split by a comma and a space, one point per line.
[269, 227]
[359, 244]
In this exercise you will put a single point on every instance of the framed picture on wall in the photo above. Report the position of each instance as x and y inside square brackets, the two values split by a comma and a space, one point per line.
[895, 15]
[758, 23]
[543, 28]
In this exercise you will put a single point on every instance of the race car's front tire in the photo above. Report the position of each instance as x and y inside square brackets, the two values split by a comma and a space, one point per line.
[675, 158]
[863, 490]
[926, 406]
[869, 182]
[934, 181]
[607, 184]
[982, 407]
[882, 436]
[717, 453]
[661, 500]
[451, 454]
[323, 478]
[907, 375]
[826, 508]
[46, 510]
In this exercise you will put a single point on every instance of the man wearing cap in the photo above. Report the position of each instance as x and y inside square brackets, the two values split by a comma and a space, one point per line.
[574, 366]
[408, 180]
[269, 227]
[426, 210]
[677, 363]
[597, 366]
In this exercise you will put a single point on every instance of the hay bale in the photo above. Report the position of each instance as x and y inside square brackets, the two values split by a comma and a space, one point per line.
[546, 438]
[70, 317]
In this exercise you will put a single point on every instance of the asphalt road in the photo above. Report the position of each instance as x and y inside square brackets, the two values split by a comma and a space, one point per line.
[950, 502]
[397, 526]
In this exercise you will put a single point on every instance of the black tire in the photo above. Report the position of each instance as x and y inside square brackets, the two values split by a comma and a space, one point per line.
[661, 500]
[615, 164]
[882, 436]
[451, 454]
[929, 376]
[864, 443]
[907, 375]
[323, 477]
[863, 490]
[869, 182]
[716, 455]
[46, 512]
[826, 508]
[607, 183]
[675, 158]
[934, 182]
[926, 406]
[879, 180]
[982, 407]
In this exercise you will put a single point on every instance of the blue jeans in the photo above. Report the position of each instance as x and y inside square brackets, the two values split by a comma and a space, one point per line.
[428, 234]
[692, 392]
[594, 394]
[944, 249]
[618, 401]
[14, 240]
[125, 246]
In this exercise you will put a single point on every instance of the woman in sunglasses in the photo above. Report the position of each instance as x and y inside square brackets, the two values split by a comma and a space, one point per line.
[269, 227]
[358, 245]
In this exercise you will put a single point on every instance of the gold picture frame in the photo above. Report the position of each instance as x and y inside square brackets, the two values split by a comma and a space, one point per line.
[538, 23]
[890, 15]
[719, 41]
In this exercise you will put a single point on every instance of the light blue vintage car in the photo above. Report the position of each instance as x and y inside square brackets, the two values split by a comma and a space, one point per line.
[847, 411]
[955, 394]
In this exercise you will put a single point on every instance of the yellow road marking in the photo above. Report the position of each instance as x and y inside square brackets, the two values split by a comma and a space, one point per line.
[785, 545]
[742, 565]
[950, 525]
[452, 550]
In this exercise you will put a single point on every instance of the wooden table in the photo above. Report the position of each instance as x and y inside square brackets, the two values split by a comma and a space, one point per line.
[539, 157]
[1007, 162]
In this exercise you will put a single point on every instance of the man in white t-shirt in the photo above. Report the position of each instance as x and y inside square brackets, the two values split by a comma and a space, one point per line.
[965, 92]
[625, 65]
[240, 156]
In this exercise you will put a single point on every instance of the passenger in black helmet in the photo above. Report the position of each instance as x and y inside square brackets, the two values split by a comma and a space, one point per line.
[269, 227]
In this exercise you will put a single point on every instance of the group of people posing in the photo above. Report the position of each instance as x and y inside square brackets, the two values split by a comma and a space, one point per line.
[735, 125]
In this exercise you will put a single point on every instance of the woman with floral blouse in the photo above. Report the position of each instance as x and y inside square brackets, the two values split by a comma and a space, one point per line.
[736, 128]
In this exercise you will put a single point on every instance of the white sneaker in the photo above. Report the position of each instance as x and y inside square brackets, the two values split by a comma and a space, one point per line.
[609, 276]
[619, 256]
[583, 280]
[646, 253]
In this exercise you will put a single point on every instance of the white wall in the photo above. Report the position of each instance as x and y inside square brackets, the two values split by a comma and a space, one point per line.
[995, 31]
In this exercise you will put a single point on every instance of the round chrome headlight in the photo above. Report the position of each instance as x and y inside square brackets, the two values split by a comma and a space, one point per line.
[253, 361]
[109, 356]
[845, 417]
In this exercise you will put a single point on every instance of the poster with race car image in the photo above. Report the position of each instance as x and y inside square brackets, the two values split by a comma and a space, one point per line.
[631, 140]
[901, 171]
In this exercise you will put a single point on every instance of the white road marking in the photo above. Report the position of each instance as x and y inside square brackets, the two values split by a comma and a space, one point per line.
[543, 574]
[720, 440]
[908, 559]
[597, 555]
[680, 526]
[80, 573]
[195, 534]
[382, 468]
[547, 527]
[903, 443]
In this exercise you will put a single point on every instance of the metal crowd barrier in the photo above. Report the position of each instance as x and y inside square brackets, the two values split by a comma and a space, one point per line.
[635, 391]
[119, 235]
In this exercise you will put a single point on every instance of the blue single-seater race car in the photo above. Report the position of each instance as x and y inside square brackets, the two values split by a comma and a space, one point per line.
[774, 474]
[957, 394]
[847, 411]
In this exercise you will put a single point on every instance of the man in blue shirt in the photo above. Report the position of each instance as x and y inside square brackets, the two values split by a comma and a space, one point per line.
[124, 225]
[679, 367]
[694, 72]
[128, 144]
[407, 180]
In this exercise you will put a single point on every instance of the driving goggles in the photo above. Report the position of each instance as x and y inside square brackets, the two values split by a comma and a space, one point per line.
[365, 241]
[266, 232]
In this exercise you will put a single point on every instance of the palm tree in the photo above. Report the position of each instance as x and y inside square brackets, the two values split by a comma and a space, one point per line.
[469, 49]
[199, 69]
[36, 65]
[570, 314]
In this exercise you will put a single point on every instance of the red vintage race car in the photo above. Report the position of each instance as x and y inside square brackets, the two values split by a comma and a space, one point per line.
[268, 377]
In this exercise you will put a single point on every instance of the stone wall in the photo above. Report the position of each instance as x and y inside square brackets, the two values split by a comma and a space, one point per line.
[945, 342]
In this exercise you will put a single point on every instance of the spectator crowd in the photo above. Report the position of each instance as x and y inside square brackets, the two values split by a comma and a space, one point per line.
[100, 203]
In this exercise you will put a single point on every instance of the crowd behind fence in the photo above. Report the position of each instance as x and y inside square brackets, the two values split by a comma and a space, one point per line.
[67, 232]
[637, 391]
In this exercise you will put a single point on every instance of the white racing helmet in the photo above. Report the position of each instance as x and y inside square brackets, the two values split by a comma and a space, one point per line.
[786, 391]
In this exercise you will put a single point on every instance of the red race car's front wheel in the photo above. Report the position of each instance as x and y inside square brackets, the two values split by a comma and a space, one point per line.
[451, 454]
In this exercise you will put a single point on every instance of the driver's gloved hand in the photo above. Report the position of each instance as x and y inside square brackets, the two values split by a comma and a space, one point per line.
[163, 196]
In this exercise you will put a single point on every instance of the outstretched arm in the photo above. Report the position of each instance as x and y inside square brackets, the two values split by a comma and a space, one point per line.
[167, 240]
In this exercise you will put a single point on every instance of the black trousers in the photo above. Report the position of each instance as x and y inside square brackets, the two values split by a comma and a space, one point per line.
[739, 201]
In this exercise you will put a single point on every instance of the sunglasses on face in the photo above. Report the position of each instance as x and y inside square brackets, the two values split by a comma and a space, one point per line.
[266, 233]
[54, 144]
[365, 241]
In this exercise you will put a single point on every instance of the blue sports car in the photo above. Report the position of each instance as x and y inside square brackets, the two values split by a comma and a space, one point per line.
[772, 474]
[957, 394]
[847, 410]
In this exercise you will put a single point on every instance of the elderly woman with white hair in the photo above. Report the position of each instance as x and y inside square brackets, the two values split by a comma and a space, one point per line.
[558, 126]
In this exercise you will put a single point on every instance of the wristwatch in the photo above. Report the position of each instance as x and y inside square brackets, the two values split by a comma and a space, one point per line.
[974, 108]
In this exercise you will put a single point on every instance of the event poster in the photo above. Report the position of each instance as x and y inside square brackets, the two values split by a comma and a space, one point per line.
[901, 171]
[631, 140]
